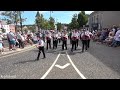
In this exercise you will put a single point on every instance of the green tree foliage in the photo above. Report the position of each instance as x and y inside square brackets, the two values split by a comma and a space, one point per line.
[59, 26]
[82, 19]
[51, 22]
[13, 17]
[39, 20]
[74, 24]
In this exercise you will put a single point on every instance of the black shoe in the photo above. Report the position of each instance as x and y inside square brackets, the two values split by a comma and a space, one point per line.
[37, 59]
[43, 57]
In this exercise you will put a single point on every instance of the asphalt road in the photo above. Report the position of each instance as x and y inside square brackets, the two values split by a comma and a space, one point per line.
[99, 62]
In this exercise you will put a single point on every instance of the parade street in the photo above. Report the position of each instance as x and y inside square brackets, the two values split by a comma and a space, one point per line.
[98, 62]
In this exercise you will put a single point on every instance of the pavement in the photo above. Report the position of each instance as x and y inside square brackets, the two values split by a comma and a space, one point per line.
[7, 51]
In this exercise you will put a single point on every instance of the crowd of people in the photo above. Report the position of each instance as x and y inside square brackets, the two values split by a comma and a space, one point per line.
[52, 38]
[17, 40]
[56, 37]
[110, 37]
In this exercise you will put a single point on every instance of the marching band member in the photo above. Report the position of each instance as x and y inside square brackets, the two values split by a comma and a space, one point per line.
[59, 37]
[74, 40]
[48, 39]
[84, 39]
[40, 46]
[55, 39]
[64, 40]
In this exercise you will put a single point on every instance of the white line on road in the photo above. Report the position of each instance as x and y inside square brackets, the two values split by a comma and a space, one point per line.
[83, 77]
[48, 71]
[62, 67]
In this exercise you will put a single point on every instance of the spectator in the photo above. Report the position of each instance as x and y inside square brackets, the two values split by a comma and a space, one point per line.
[109, 40]
[12, 40]
[116, 41]
[1, 44]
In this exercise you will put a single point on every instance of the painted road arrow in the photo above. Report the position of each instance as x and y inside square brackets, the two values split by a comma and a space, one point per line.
[62, 67]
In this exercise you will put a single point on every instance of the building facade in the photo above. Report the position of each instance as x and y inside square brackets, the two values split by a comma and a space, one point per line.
[104, 19]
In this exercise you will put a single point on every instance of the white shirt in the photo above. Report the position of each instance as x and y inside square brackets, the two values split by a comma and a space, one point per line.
[11, 36]
[117, 36]
[59, 35]
[66, 36]
[49, 35]
[75, 34]
[41, 43]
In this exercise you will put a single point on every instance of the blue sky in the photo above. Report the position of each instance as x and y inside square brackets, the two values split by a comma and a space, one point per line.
[59, 16]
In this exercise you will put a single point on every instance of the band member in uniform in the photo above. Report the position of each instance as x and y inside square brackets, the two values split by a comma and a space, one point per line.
[40, 46]
[74, 40]
[55, 39]
[90, 35]
[70, 34]
[59, 37]
[77, 37]
[48, 39]
[64, 40]
[84, 38]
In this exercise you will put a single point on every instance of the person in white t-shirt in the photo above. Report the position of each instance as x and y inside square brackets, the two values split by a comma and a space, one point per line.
[40, 46]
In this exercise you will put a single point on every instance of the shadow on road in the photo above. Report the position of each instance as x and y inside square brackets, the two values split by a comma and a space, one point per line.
[22, 62]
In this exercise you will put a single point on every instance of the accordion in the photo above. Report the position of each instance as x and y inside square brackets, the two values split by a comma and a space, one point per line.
[54, 38]
[74, 38]
[64, 38]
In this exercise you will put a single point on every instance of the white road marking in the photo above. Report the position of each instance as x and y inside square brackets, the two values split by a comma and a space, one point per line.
[48, 71]
[83, 77]
[62, 67]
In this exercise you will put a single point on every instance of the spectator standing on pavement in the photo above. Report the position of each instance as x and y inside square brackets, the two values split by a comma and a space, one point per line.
[40, 46]
[12, 39]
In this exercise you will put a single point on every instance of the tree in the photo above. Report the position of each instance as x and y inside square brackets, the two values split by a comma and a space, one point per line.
[32, 28]
[21, 19]
[51, 22]
[46, 25]
[82, 19]
[13, 17]
[74, 23]
[59, 26]
[39, 20]
[83, 12]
